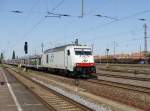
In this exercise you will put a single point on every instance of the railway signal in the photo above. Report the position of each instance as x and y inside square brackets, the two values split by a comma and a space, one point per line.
[26, 47]
[13, 55]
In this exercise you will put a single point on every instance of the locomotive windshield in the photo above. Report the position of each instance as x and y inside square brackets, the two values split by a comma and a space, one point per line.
[83, 51]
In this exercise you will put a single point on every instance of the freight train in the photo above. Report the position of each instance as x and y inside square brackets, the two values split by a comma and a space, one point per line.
[122, 60]
[69, 59]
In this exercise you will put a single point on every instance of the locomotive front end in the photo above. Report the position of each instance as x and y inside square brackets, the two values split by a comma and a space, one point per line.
[84, 60]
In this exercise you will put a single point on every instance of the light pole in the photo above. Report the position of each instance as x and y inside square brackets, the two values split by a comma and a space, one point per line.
[145, 40]
[114, 49]
[82, 8]
[42, 46]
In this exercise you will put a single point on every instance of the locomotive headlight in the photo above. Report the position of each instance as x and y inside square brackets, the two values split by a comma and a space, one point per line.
[92, 64]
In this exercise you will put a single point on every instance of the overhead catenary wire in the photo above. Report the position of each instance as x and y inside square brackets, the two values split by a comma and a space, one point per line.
[114, 20]
[124, 18]
[35, 25]
[58, 5]
[40, 21]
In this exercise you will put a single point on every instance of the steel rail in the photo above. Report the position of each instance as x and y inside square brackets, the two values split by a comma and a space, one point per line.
[51, 107]
[121, 85]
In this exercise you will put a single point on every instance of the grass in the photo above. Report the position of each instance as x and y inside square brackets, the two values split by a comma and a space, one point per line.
[1, 65]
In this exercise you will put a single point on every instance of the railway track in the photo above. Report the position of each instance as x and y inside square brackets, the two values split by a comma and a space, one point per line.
[127, 86]
[124, 77]
[126, 70]
[128, 65]
[53, 100]
[141, 88]
[124, 93]
[140, 84]
[133, 95]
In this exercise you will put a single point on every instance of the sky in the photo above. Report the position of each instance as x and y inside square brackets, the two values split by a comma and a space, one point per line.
[118, 25]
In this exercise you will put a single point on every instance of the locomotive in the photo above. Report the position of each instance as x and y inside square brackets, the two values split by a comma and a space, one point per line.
[70, 59]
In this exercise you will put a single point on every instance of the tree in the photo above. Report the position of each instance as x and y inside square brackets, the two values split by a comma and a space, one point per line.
[1, 57]
[13, 55]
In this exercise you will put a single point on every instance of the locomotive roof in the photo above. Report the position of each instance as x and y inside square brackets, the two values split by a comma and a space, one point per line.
[59, 48]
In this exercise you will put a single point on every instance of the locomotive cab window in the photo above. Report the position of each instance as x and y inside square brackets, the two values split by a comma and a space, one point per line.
[68, 52]
[83, 51]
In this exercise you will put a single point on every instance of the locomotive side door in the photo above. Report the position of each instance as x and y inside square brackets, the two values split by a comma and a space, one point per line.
[68, 63]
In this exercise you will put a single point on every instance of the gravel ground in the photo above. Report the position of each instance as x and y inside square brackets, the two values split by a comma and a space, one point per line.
[125, 68]
[140, 100]
[124, 74]
[126, 81]
[129, 97]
